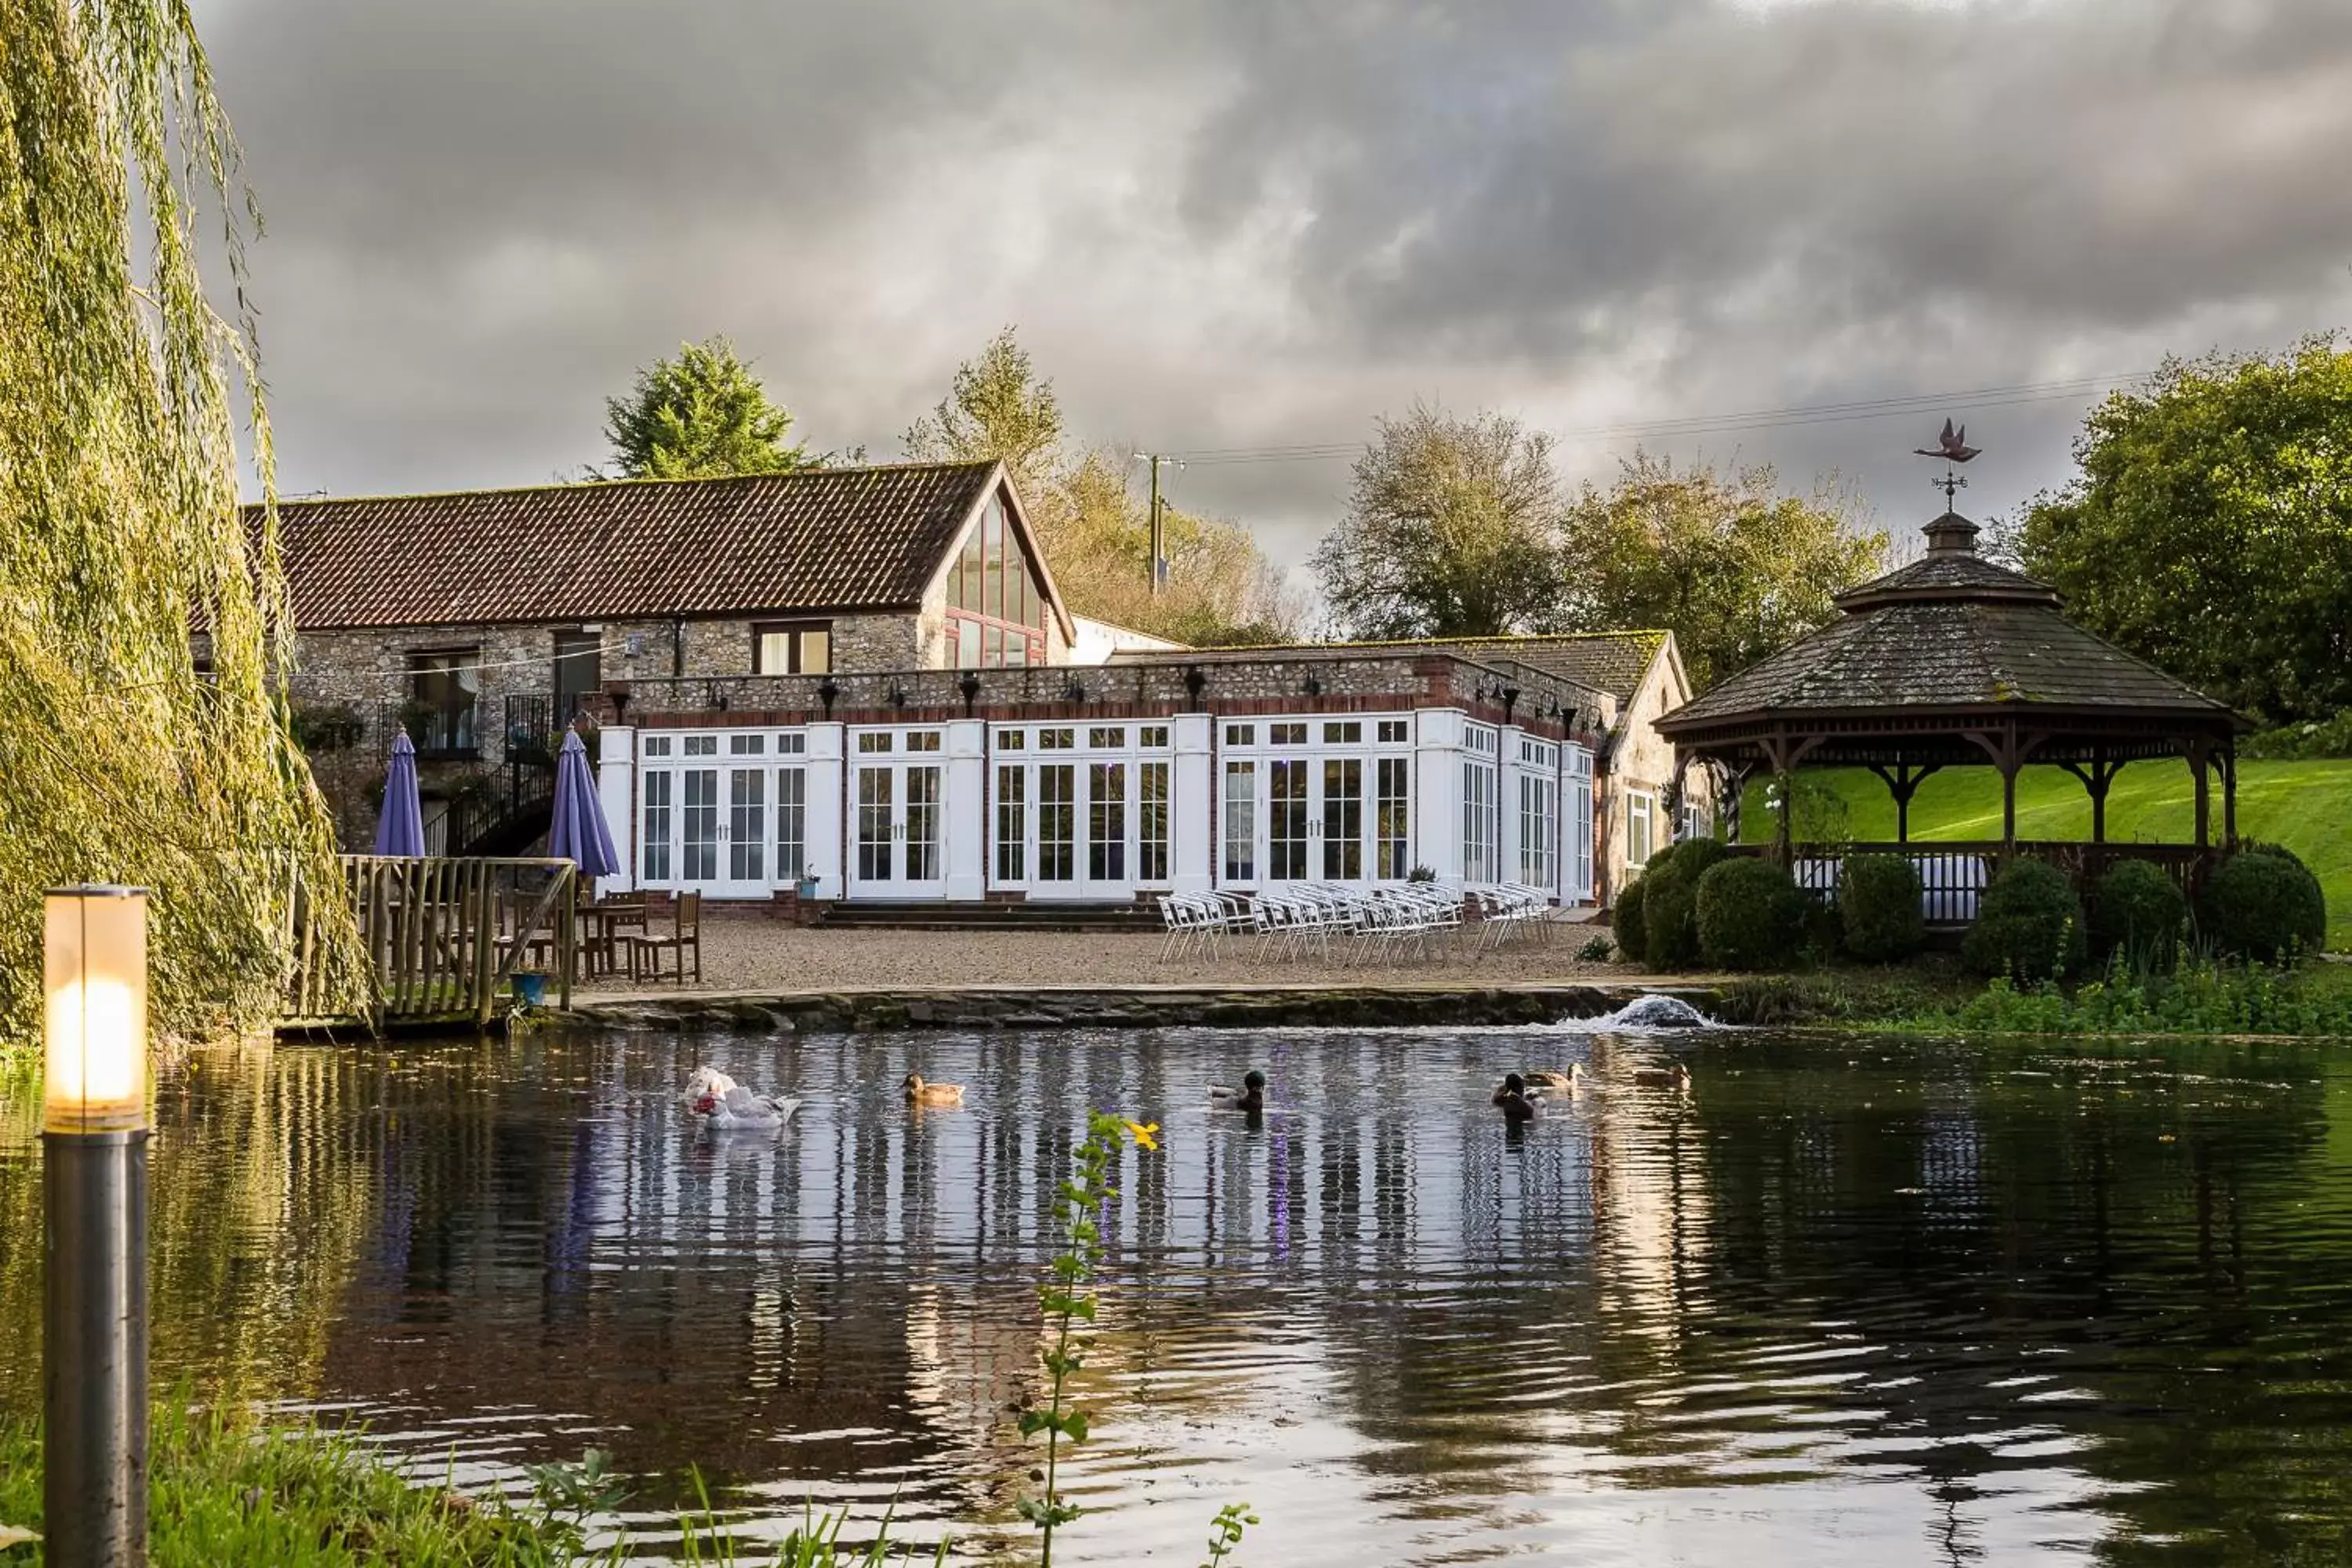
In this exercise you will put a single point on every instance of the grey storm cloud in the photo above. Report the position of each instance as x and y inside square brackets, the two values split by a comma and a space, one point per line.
[1235, 223]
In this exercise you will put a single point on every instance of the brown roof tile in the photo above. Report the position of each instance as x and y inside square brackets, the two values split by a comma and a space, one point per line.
[830, 538]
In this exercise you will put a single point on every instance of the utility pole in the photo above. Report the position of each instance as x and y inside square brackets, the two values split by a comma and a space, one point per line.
[1156, 534]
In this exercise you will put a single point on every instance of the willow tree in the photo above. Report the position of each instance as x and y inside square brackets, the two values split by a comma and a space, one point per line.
[120, 389]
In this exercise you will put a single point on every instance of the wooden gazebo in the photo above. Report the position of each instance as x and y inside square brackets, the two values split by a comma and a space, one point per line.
[1956, 660]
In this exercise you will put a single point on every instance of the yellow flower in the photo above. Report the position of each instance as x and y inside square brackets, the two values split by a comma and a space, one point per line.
[1144, 1133]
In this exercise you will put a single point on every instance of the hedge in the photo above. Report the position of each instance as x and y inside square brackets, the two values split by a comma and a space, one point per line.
[1750, 914]
[1670, 903]
[1625, 920]
[2029, 925]
[1878, 901]
[2264, 904]
[2138, 917]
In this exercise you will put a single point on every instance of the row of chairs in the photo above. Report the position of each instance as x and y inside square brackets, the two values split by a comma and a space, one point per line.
[1351, 923]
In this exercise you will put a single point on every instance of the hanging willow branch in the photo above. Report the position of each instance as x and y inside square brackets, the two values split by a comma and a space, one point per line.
[120, 531]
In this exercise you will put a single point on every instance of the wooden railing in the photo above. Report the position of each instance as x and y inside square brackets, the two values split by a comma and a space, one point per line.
[1953, 872]
[445, 935]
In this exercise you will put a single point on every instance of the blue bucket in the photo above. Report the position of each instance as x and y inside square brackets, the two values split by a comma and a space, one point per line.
[530, 989]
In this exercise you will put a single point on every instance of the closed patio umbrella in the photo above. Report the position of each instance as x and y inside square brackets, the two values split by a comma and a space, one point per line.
[577, 831]
[399, 828]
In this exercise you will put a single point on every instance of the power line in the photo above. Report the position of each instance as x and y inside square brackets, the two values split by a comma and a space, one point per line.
[1717, 424]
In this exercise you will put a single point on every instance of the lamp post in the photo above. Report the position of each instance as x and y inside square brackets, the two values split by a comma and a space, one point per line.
[94, 1171]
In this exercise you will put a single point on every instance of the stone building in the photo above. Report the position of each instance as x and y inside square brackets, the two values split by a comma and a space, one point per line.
[861, 683]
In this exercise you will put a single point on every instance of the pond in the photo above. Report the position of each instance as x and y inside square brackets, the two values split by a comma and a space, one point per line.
[1852, 1299]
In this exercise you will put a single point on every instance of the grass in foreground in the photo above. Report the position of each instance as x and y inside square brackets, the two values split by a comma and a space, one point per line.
[2203, 998]
[229, 1488]
[2301, 805]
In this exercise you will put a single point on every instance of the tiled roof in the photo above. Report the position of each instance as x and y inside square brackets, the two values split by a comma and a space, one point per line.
[1947, 655]
[829, 539]
[1948, 574]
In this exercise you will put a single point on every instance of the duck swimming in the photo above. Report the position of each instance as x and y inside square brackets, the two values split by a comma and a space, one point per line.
[1676, 1077]
[1571, 1082]
[921, 1093]
[1250, 1096]
[1518, 1104]
[721, 1103]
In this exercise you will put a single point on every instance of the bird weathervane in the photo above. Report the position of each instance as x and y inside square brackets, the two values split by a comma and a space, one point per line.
[1954, 448]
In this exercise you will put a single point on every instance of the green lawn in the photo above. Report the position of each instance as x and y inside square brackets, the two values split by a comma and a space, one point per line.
[2306, 806]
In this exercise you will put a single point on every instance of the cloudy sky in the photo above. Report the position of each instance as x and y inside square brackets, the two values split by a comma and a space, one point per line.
[1252, 224]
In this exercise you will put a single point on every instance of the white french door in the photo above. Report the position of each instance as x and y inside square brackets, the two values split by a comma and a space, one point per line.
[716, 816]
[895, 803]
[1082, 812]
[1320, 801]
[722, 828]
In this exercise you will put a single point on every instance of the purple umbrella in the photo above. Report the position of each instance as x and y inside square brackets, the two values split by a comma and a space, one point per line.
[400, 830]
[577, 832]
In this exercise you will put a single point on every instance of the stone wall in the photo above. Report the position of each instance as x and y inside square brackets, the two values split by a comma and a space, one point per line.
[1644, 760]
[1341, 681]
[1081, 1007]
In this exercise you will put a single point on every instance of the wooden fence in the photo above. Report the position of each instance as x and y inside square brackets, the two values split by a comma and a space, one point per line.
[444, 936]
[1953, 873]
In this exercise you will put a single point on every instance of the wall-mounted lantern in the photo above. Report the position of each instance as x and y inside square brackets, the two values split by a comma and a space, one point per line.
[969, 684]
[826, 690]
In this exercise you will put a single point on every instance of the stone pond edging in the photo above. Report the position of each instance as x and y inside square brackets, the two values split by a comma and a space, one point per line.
[1113, 1007]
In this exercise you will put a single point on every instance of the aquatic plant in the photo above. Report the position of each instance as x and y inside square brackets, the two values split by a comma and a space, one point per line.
[1225, 1531]
[1067, 1302]
[122, 758]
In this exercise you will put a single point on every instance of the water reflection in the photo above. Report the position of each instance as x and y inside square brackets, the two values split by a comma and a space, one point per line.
[1893, 1301]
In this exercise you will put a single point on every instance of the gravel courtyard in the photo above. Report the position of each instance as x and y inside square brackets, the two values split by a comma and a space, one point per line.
[752, 954]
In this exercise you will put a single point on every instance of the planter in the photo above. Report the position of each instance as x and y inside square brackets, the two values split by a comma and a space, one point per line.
[806, 886]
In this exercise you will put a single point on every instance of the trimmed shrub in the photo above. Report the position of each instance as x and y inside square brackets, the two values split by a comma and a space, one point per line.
[1878, 902]
[2029, 925]
[1670, 903]
[1750, 914]
[2139, 917]
[2264, 904]
[1625, 920]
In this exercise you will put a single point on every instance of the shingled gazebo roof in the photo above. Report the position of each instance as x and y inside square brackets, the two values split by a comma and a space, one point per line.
[1929, 663]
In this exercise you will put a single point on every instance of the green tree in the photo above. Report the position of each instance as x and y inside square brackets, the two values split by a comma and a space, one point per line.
[2210, 531]
[1452, 530]
[1220, 591]
[1093, 527]
[1733, 567]
[997, 406]
[701, 416]
[121, 529]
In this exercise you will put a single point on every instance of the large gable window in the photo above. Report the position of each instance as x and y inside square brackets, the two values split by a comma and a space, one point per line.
[791, 647]
[996, 612]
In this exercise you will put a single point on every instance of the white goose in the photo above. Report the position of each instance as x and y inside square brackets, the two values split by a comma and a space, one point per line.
[722, 1103]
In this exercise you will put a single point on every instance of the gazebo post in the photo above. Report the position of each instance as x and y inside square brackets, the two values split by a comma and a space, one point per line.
[2201, 758]
[2230, 796]
[2008, 762]
[1784, 781]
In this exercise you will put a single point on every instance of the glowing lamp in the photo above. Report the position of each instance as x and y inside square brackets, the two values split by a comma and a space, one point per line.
[96, 971]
